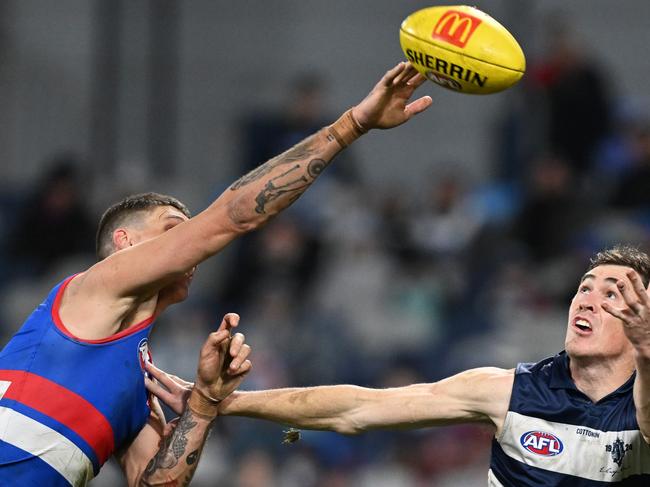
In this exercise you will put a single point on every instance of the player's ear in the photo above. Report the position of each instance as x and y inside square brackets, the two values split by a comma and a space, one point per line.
[121, 239]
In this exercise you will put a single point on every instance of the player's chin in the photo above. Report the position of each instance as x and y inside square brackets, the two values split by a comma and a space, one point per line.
[181, 295]
[178, 291]
[576, 349]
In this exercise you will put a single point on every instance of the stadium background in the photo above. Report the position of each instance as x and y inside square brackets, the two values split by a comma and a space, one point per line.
[451, 242]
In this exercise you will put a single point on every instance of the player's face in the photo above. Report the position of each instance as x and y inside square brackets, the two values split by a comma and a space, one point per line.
[592, 332]
[158, 221]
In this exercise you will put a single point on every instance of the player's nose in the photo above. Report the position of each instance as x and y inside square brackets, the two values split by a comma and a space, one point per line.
[586, 306]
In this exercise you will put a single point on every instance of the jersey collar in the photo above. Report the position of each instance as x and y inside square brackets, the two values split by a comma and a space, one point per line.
[561, 376]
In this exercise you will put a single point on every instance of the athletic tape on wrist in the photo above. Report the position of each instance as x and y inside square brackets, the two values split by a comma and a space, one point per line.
[346, 129]
[202, 404]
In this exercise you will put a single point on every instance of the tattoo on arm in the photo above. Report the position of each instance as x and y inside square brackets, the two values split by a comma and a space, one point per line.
[316, 166]
[287, 175]
[173, 446]
[272, 192]
[299, 152]
[279, 186]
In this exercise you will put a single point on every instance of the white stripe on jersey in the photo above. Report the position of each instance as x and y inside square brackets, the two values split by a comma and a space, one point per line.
[587, 453]
[492, 480]
[4, 385]
[49, 445]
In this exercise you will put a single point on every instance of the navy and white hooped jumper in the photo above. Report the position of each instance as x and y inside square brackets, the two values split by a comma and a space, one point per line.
[66, 404]
[554, 435]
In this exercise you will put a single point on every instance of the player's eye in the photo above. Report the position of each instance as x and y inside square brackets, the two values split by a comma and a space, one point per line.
[583, 289]
[611, 295]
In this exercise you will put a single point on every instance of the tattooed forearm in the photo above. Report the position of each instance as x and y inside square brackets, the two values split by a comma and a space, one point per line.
[299, 152]
[173, 447]
[272, 192]
[276, 188]
[275, 185]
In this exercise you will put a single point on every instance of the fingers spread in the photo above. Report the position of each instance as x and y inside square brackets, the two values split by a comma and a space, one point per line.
[637, 285]
[417, 80]
[390, 75]
[617, 313]
[407, 73]
[418, 106]
[628, 296]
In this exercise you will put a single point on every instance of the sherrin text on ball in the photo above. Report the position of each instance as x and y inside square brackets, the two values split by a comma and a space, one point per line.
[462, 48]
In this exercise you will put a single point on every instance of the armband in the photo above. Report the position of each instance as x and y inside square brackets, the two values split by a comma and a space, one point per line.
[346, 129]
[202, 404]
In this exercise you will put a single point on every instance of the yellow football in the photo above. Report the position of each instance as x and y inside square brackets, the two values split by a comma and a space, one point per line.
[462, 49]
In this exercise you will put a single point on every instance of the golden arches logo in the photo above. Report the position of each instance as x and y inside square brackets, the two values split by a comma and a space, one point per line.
[455, 27]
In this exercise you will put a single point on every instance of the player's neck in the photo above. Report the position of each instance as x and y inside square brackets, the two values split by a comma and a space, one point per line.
[596, 378]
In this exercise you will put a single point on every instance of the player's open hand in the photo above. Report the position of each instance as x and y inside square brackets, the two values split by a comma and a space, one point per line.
[223, 360]
[636, 313]
[387, 105]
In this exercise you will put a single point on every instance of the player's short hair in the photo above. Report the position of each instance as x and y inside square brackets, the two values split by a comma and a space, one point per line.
[129, 211]
[624, 255]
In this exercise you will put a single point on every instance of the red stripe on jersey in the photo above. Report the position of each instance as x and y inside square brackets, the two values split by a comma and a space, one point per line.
[59, 324]
[64, 406]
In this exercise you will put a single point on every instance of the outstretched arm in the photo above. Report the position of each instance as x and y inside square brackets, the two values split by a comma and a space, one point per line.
[252, 200]
[478, 395]
[636, 324]
[169, 456]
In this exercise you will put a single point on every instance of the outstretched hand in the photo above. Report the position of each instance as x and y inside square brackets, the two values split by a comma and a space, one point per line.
[636, 315]
[223, 360]
[387, 106]
[223, 364]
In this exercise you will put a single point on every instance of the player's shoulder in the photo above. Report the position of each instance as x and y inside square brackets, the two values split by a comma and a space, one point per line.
[489, 378]
[543, 367]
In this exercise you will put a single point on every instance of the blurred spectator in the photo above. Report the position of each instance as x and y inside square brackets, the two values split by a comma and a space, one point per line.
[266, 134]
[280, 255]
[445, 225]
[54, 222]
[255, 469]
[576, 96]
[633, 189]
[550, 216]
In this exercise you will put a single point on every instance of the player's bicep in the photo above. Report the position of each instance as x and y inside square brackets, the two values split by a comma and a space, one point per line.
[478, 395]
[481, 394]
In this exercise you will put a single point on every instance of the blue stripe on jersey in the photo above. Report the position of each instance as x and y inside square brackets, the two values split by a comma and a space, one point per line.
[56, 426]
[27, 473]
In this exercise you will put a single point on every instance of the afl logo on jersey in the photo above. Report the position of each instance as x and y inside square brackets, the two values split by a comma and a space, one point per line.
[143, 353]
[541, 443]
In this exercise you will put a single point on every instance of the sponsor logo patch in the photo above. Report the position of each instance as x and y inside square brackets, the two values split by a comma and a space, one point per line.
[455, 27]
[143, 353]
[541, 443]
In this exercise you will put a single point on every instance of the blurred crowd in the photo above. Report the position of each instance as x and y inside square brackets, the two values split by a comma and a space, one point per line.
[355, 285]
